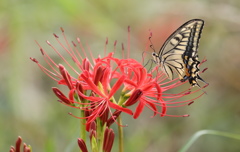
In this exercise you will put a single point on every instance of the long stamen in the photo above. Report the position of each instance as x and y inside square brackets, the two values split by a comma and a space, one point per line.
[48, 60]
[79, 56]
[60, 55]
[105, 47]
[115, 46]
[81, 46]
[46, 71]
[69, 50]
[91, 55]
[128, 45]
[122, 50]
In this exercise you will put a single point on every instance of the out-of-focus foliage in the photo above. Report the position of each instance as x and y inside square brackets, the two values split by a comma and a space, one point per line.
[29, 109]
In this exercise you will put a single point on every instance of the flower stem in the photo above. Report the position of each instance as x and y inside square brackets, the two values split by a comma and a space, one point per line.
[82, 126]
[100, 134]
[122, 98]
[120, 132]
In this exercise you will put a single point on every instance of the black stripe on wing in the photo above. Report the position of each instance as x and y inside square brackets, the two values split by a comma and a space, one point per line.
[182, 34]
[193, 42]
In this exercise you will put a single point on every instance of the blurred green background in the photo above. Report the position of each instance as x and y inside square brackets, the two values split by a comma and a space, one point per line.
[29, 109]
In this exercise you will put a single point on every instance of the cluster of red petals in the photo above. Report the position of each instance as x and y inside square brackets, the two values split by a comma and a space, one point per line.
[96, 82]
[108, 140]
[17, 147]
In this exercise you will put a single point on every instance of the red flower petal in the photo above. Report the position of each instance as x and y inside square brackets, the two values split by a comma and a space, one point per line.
[139, 109]
[66, 76]
[92, 85]
[61, 96]
[116, 86]
[117, 107]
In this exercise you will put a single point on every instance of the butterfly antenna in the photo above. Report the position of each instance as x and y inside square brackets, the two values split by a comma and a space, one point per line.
[150, 40]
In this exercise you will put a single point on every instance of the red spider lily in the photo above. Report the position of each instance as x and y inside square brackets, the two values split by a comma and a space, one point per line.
[94, 87]
[150, 91]
[100, 100]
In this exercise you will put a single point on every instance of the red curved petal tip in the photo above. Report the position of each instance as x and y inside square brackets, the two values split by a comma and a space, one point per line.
[61, 96]
[134, 97]
[82, 145]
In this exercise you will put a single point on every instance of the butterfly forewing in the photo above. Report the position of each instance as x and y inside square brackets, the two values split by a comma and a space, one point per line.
[179, 52]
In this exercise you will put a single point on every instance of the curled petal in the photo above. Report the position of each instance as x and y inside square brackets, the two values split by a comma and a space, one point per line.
[139, 110]
[71, 94]
[90, 98]
[86, 64]
[61, 96]
[154, 108]
[130, 82]
[82, 145]
[163, 104]
[136, 95]
[79, 88]
[98, 75]
[117, 85]
[117, 107]
[143, 75]
[92, 85]
[113, 118]
[66, 76]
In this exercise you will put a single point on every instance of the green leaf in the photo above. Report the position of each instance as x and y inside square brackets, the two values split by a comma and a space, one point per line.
[207, 132]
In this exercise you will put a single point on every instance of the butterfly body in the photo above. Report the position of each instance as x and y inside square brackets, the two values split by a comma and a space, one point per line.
[179, 52]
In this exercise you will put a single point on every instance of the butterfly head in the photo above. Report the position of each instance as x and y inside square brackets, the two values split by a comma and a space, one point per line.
[156, 57]
[154, 54]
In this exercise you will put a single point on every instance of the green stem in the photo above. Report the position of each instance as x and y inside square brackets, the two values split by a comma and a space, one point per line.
[82, 126]
[99, 134]
[122, 99]
[207, 132]
[120, 132]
